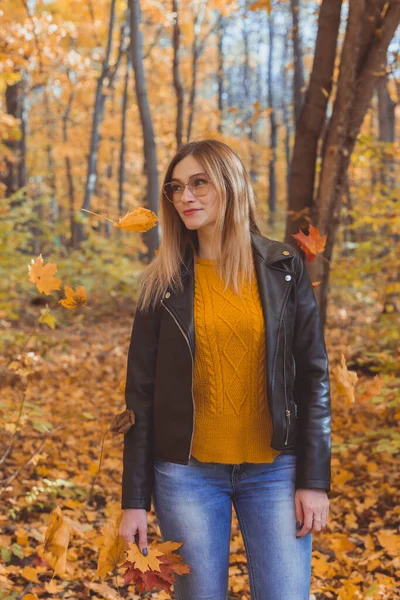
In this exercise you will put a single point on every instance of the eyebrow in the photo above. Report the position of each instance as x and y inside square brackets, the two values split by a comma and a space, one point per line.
[195, 175]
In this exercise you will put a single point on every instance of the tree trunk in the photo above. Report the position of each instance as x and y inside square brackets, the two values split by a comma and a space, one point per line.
[178, 85]
[386, 118]
[151, 237]
[273, 126]
[70, 179]
[124, 122]
[298, 75]
[220, 73]
[286, 112]
[312, 118]
[98, 114]
[14, 177]
[196, 51]
[348, 114]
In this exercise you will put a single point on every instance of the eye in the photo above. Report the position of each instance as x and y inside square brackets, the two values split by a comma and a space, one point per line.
[199, 181]
[176, 187]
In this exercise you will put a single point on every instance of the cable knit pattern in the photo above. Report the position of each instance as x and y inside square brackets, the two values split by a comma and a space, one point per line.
[232, 419]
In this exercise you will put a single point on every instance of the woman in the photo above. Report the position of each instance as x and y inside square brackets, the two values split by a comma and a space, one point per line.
[228, 379]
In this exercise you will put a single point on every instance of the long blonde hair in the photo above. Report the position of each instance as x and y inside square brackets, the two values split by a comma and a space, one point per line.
[235, 220]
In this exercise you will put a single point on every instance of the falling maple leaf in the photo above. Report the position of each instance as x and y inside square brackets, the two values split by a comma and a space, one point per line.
[47, 318]
[54, 549]
[345, 380]
[311, 244]
[140, 219]
[43, 276]
[316, 283]
[74, 299]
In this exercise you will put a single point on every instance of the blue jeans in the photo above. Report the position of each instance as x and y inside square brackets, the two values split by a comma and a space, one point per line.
[193, 504]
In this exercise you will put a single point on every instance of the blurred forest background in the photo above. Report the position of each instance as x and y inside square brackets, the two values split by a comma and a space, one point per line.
[95, 97]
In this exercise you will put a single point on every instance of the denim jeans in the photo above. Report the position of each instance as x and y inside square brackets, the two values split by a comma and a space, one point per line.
[193, 504]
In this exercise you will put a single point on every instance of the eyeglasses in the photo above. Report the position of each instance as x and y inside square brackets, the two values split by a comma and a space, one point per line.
[199, 185]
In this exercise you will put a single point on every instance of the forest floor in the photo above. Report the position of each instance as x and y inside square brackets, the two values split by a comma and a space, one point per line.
[73, 393]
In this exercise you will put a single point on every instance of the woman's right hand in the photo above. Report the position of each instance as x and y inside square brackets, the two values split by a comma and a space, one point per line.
[133, 522]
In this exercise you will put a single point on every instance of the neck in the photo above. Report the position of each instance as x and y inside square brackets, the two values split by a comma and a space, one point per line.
[205, 238]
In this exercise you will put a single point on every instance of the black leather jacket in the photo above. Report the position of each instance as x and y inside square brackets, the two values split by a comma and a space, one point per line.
[160, 371]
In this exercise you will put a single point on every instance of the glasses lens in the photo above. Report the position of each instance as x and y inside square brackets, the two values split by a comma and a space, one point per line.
[199, 186]
[173, 191]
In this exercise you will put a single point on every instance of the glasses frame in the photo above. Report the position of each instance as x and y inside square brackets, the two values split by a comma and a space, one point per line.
[184, 186]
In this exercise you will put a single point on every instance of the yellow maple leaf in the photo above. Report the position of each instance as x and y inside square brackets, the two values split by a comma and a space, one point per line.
[43, 276]
[47, 318]
[54, 549]
[144, 563]
[74, 299]
[345, 380]
[112, 551]
[140, 219]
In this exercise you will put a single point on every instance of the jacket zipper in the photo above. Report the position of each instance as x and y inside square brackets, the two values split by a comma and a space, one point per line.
[287, 411]
[191, 355]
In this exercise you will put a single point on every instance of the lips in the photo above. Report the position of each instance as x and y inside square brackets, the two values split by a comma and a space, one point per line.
[190, 212]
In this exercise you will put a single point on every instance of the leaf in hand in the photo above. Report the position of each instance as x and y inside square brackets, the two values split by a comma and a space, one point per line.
[112, 552]
[43, 276]
[156, 570]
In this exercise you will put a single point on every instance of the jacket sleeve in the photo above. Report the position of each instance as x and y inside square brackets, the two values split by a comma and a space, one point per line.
[311, 388]
[138, 461]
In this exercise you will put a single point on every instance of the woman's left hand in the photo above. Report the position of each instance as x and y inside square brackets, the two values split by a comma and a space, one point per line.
[312, 507]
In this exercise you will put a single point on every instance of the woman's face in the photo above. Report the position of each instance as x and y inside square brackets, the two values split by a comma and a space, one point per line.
[207, 206]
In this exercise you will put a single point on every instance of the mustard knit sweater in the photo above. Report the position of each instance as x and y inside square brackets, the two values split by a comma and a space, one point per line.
[232, 421]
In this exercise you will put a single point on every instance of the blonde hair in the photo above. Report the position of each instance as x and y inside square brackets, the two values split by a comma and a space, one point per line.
[235, 220]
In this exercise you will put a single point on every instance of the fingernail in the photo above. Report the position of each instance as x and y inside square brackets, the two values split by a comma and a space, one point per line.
[144, 551]
[298, 526]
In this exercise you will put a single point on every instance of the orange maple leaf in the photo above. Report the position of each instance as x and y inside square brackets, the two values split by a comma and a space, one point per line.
[74, 299]
[140, 219]
[345, 380]
[54, 549]
[43, 276]
[312, 244]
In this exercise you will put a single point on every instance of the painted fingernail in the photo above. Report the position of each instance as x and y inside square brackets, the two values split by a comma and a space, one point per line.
[144, 551]
[298, 526]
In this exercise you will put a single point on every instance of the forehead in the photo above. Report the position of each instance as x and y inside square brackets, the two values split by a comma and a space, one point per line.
[186, 168]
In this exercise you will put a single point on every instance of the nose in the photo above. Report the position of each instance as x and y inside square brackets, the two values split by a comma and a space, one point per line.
[187, 194]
